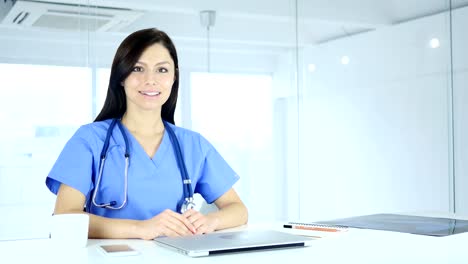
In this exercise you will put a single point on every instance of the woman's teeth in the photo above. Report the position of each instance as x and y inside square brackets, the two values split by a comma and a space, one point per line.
[150, 93]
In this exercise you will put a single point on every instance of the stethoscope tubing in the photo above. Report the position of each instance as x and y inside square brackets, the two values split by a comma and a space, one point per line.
[180, 162]
[188, 202]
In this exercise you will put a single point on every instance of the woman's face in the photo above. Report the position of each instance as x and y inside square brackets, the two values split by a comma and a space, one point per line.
[149, 85]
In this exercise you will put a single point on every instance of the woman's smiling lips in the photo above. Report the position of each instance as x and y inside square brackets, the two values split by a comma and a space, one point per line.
[150, 93]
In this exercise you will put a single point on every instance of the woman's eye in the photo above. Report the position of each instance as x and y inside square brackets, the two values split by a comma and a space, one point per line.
[163, 70]
[137, 69]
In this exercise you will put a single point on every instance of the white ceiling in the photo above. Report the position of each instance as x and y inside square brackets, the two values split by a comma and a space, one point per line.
[272, 21]
[270, 25]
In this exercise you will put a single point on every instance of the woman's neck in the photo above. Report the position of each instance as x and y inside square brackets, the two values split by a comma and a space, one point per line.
[145, 124]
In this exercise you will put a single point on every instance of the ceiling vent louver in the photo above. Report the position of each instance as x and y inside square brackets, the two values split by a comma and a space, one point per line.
[65, 16]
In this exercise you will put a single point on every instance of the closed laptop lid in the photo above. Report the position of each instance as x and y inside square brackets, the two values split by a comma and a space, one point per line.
[421, 225]
[227, 242]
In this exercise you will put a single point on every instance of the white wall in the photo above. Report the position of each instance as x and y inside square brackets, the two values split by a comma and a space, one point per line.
[375, 132]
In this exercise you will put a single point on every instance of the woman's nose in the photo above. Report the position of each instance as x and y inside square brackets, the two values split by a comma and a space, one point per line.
[150, 78]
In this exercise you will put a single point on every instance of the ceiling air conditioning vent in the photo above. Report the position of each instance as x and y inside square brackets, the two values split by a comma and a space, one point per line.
[65, 16]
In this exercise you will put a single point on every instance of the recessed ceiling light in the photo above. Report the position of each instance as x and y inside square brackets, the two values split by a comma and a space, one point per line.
[345, 60]
[435, 43]
[311, 67]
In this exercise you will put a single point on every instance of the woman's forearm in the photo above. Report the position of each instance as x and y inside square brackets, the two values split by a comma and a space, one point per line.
[102, 227]
[231, 215]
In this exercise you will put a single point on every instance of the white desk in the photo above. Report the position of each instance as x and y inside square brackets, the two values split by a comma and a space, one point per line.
[354, 246]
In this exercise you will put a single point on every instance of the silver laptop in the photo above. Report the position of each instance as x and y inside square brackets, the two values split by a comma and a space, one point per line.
[229, 242]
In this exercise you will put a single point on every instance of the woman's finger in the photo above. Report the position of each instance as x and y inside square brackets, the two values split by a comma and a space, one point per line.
[181, 220]
[173, 222]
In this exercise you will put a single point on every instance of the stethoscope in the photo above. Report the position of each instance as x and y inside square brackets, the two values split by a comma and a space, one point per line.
[187, 184]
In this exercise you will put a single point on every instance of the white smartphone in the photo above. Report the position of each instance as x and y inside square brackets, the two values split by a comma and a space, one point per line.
[118, 250]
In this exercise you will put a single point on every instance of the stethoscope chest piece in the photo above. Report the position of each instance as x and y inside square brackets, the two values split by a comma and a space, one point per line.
[188, 204]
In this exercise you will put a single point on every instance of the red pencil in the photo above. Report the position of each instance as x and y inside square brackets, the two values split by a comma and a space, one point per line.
[313, 228]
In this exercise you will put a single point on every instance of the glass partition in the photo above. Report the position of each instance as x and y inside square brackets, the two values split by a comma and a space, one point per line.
[238, 68]
[47, 93]
[376, 112]
[459, 18]
[324, 109]
[237, 87]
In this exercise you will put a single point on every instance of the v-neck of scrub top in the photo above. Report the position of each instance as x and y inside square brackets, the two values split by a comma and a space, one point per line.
[140, 153]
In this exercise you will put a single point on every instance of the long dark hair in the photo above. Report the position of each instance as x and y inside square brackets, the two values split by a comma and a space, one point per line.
[125, 58]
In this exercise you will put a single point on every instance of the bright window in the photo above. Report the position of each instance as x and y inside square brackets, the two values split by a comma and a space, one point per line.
[234, 112]
[40, 108]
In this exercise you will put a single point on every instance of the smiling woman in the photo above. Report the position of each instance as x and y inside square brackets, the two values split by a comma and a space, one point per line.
[136, 179]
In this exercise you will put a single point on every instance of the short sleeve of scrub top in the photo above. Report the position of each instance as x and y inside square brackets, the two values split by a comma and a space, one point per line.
[74, 166]
[216, 176]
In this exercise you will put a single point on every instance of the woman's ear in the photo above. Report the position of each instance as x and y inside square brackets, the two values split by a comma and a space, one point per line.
[122, 83]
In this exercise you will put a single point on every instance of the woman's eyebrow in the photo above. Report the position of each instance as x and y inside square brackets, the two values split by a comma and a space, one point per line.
[162, 62]
[159, 63]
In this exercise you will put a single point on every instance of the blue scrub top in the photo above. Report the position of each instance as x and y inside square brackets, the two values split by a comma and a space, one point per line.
[153, 184]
